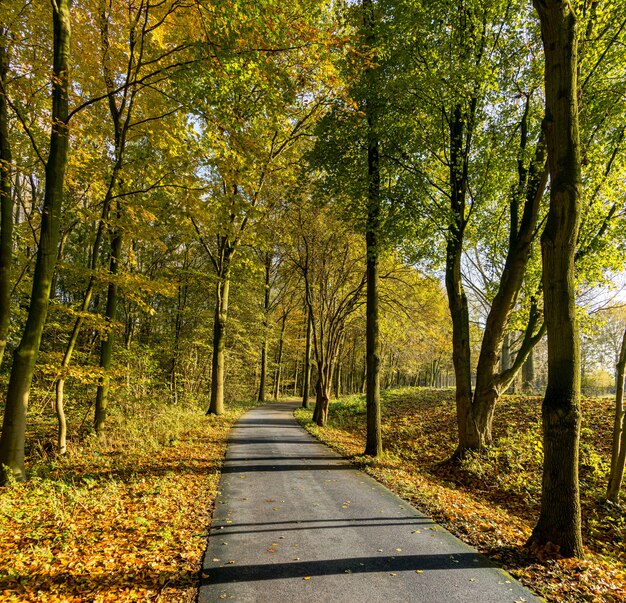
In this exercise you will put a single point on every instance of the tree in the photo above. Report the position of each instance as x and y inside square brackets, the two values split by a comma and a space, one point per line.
[618, 448]
[560, 521]
[253, 125]
[373, 442]
[14, 422]
[306, 382]
[266, 311]
[330, 260]
[355, 151]
[6, 194]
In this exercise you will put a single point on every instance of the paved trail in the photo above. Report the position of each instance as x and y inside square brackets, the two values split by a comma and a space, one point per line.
[295, 522]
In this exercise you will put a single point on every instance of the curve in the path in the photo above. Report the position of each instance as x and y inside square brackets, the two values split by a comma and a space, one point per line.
[295, 522]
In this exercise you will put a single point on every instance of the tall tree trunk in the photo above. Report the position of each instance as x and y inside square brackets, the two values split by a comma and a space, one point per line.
[178, 327]
[6, 198]
[216, 406]
[338, 377]
[373, 442]
[263, 376]
[491, 382]
[306, 386]
[266, 310]
[120, 130]
[296, 373]
[457, 300]
[106, 346]
[91, 286]
[618, 450]
[279, 359]
[352, 375]
[560, 521]
[14, 422]
[363, 377]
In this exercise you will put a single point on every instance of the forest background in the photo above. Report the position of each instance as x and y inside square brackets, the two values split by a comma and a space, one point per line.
[208, 202]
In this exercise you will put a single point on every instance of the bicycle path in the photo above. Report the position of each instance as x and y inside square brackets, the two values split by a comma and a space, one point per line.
[294, 521]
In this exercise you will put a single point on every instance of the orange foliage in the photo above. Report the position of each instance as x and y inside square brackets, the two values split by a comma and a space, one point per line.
[114, 527]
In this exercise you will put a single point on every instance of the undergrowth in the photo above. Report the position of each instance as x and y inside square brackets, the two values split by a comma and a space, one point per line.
[120, 518]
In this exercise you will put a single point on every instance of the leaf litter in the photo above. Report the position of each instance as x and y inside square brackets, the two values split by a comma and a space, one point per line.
[492, 501]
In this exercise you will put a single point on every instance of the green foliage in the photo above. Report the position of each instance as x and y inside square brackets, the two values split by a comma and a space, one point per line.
[247, 131]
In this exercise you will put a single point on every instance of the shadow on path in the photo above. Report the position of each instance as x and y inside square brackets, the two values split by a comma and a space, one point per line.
[355, 565]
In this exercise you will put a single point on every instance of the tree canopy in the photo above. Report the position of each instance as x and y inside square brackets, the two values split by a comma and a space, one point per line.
[209, 201]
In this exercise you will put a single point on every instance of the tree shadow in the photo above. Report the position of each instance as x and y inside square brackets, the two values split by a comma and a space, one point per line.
[353, 565]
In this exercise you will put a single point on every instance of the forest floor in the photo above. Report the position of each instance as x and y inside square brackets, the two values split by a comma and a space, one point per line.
[120, 519]
[492, 502]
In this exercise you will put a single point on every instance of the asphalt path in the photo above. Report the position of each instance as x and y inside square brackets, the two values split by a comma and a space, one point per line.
[295, 522]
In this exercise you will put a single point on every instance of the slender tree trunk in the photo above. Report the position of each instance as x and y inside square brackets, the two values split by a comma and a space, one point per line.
[528, 373]
[178, 327]
[373, 442]
[6, 198]
[120, 130]
[266, 310]
[106, 346]
[306, 386]
[296, 373]
[338, 378]
[363, 377]
[61, 419]
[457, 300]
[71, 344]
[560, 521]
[618, 450]
[279, 359]
[352, 375]
[14, 423]
[263, 376]
[216, 406]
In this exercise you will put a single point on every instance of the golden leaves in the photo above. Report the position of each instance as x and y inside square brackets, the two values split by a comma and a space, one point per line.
[113, 527]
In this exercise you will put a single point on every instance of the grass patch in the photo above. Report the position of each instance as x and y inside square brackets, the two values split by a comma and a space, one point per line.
[492, 501]
[123, 518]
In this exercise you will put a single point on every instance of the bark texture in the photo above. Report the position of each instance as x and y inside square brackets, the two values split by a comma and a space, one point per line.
[307, 361]
[216, 406]
[457, 299]
[106, 346]
[266, 311]
[278, 374]
[559, 522]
